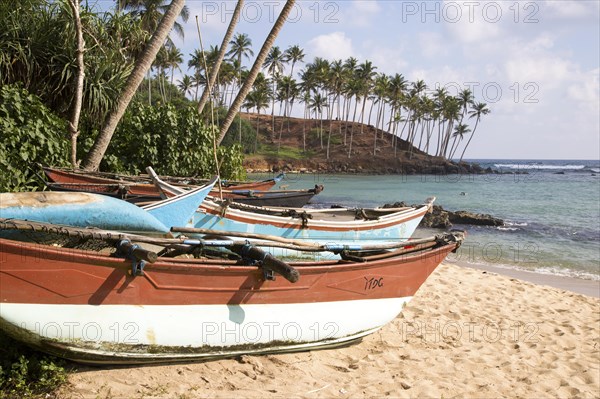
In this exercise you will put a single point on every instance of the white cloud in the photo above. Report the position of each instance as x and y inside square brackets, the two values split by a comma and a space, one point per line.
[359, 12]
[432, 44]
[586, 90]
[331, 46]
[387, 60]
[571, 9]
[472, 22]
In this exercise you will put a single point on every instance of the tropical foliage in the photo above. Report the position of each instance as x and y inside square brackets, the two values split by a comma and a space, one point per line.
[39, 52]
[29, 134]
[174, 141]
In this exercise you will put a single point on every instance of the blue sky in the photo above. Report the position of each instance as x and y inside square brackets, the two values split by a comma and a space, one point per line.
[535, 63]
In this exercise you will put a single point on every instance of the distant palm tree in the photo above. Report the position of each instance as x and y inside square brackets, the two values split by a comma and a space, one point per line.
[260, 59]
[459, 133]
[478, 110]
[317, 103]
[240, 47]
[186, 84]
[350, 66]
[275, 64]
[257, 99]
[174, 58]
[380, 89]
[215, 72]
[465, 98]
[287, 91]
[365, 73]
[293, 55]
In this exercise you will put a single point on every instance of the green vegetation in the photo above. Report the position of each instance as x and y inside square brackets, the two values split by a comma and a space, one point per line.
[29, 134]
[27, 373]
[174, 141]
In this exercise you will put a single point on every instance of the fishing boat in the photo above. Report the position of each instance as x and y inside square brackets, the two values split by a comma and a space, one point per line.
[138, 188]
[341, 225]
[136, 306]
[287, 198]
[88, 209]
[291, 198]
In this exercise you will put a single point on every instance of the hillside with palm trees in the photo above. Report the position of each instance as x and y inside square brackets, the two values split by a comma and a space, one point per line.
[302, 145]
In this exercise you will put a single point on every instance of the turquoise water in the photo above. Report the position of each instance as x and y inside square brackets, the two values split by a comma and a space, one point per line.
[552, 212]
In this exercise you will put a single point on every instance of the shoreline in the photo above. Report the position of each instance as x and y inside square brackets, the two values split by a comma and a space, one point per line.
[589, 288]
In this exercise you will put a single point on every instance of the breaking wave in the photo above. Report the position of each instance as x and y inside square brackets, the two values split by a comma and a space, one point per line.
[538, 166]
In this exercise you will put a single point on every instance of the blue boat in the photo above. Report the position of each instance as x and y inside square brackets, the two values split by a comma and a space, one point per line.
[179, 210]
[95, 210]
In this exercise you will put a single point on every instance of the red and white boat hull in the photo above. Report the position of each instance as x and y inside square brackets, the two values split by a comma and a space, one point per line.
[87, 307]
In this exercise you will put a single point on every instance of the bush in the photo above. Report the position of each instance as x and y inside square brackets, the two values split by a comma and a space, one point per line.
[173, 141]
[30, 134]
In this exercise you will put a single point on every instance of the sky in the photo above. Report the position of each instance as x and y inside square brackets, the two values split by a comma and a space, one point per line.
[535, 63]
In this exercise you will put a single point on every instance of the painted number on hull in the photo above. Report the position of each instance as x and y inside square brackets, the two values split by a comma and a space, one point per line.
[373, 283]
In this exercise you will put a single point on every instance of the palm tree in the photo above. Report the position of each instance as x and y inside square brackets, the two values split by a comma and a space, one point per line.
[240, 46]
[307, 86]
[186, 84]
[465, 98]
[381, 88]
[317, 103]
[214, 73]
[260, 59]
[459, 133]
[151, 12]
[259, 99]
[288, 90]
[478, 110]
[174, 58]
[335, 83]
[350, 66]
[450, 113]
[293, 54]
[274, 63]
[395, 97]
[365, 74]
[142, 65]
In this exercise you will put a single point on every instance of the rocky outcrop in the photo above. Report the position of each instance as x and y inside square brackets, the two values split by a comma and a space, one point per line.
[439, 218]
[477, 219]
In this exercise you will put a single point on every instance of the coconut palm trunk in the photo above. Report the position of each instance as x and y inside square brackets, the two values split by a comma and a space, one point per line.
[73, 125]
[142, 65]
[258, 63]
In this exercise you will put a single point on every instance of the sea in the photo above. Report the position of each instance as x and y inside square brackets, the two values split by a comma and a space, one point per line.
[551, 210]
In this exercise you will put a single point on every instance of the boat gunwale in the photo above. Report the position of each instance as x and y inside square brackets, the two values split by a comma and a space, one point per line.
[243, 216]
[74, 255]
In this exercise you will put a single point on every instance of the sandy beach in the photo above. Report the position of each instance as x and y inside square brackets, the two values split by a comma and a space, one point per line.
[467, 333]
